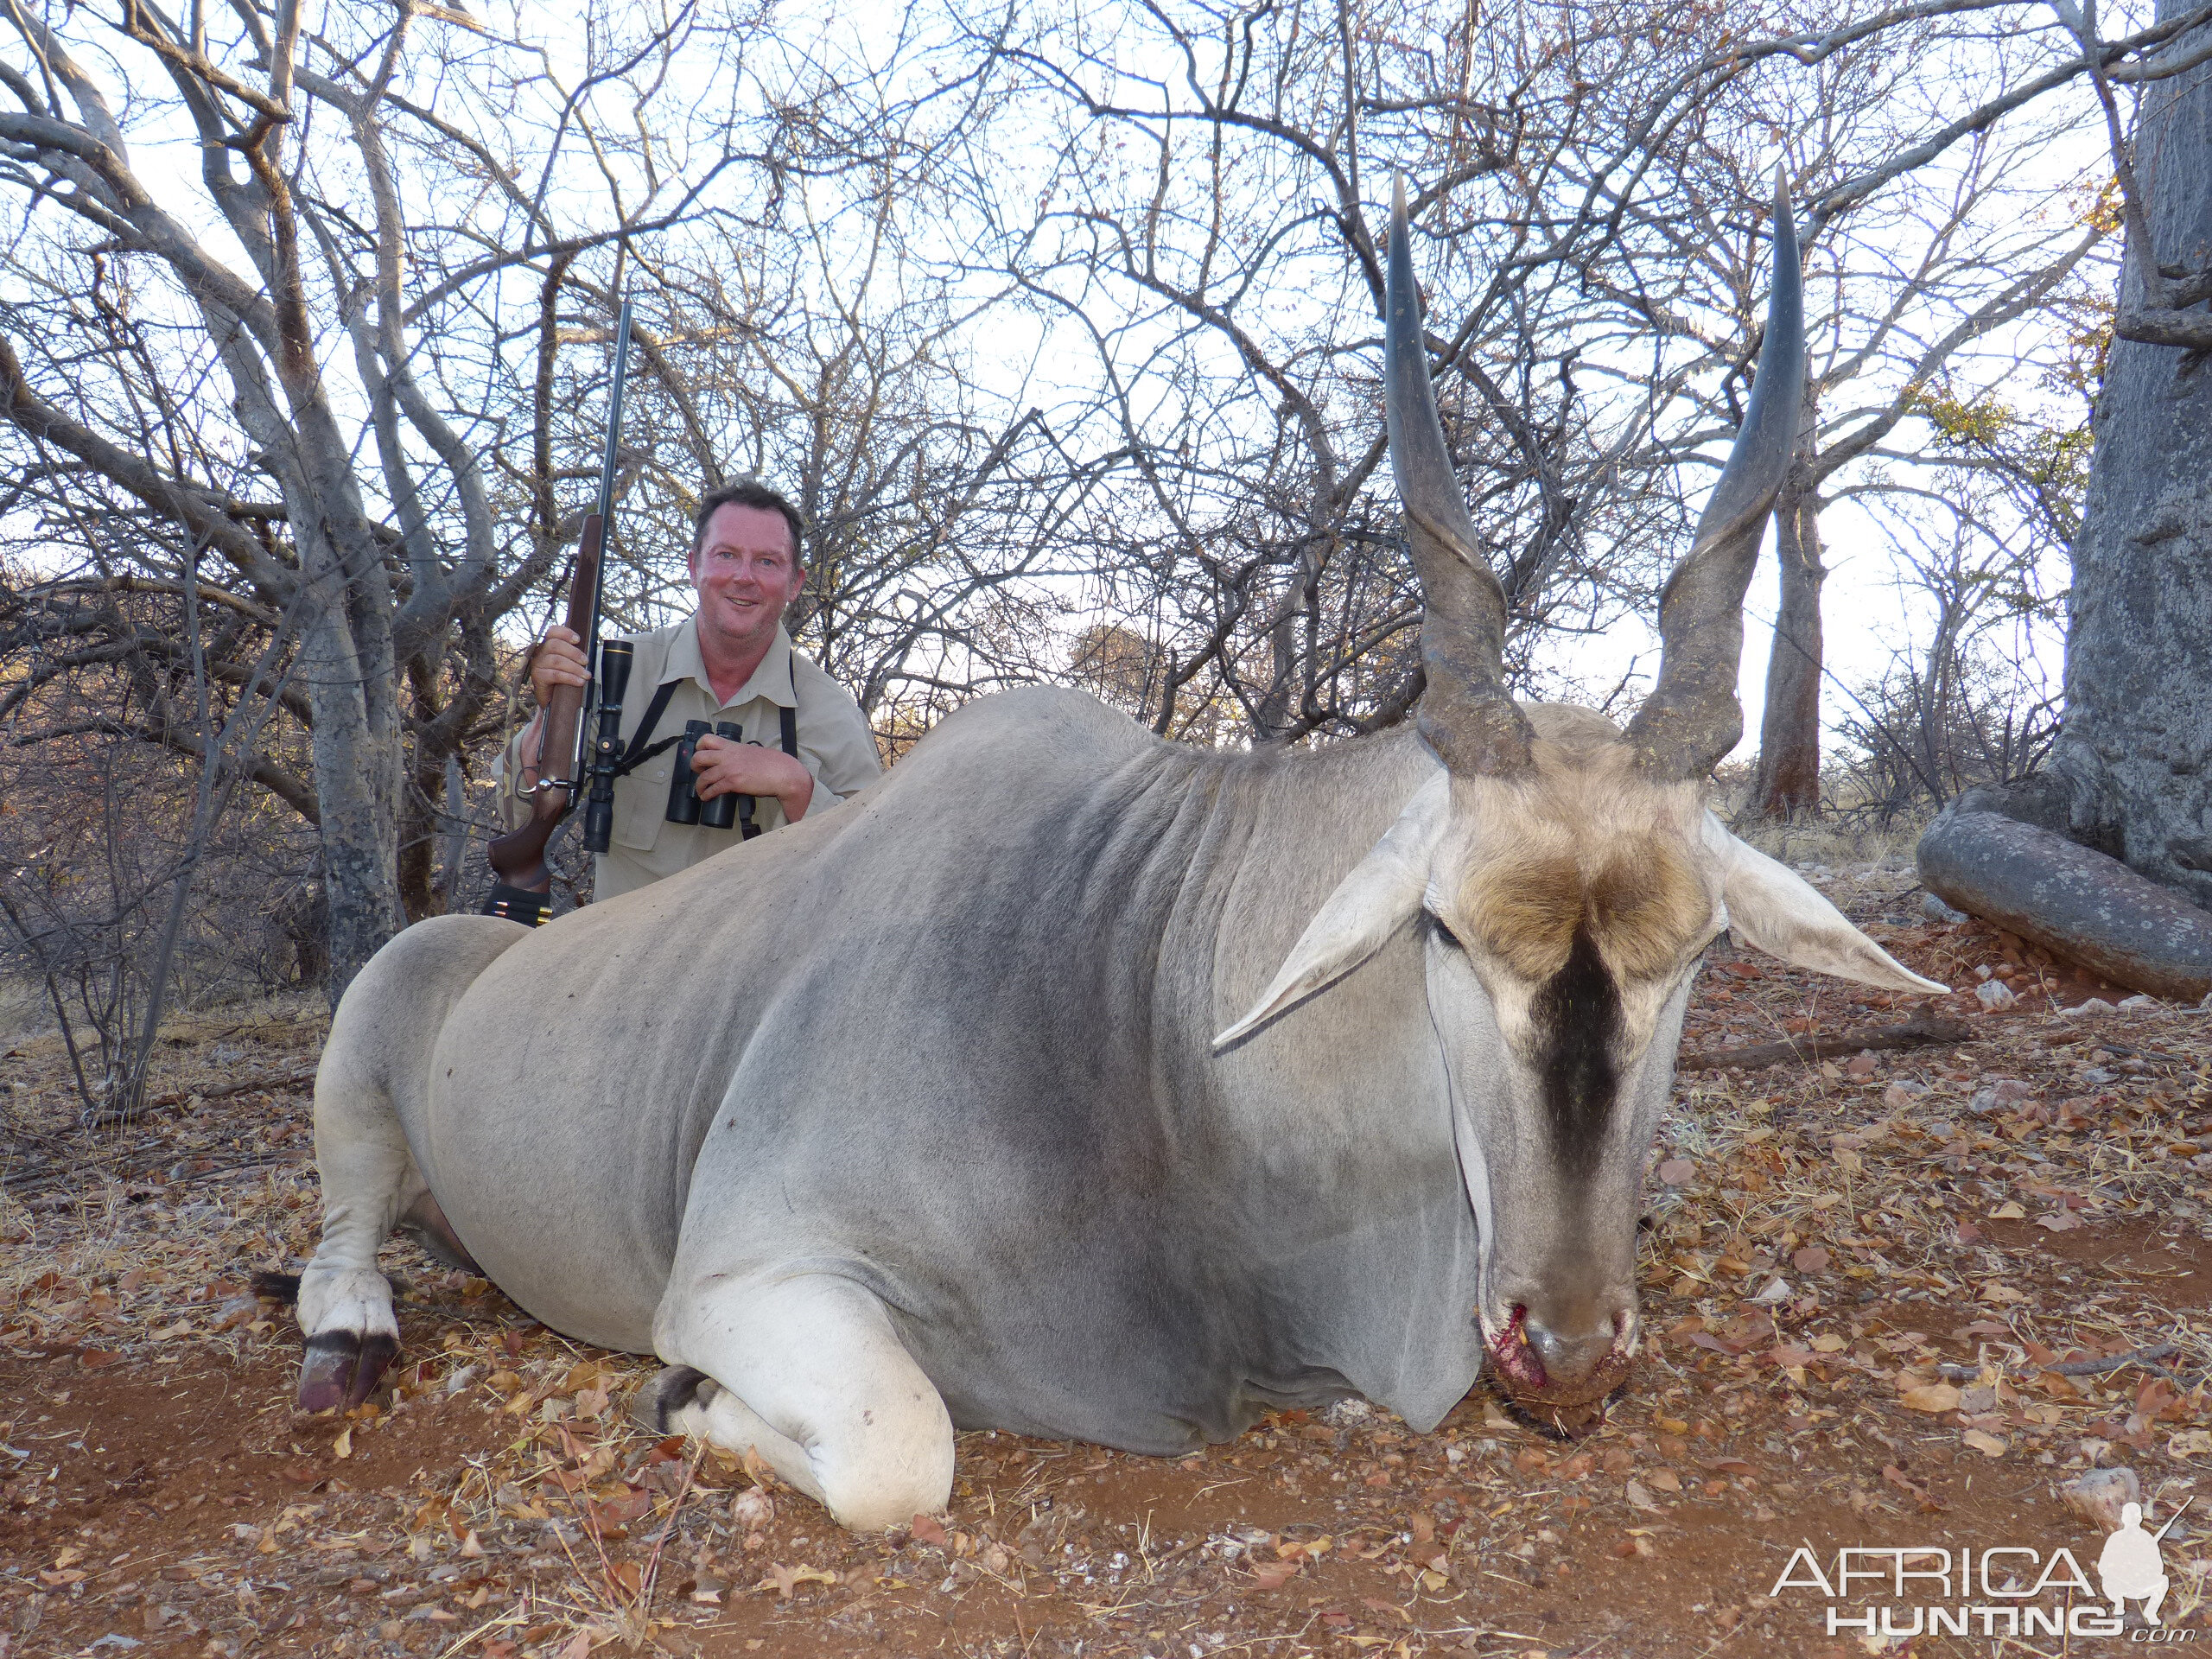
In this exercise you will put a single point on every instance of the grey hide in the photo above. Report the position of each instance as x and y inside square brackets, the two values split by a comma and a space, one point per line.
[952, 1039]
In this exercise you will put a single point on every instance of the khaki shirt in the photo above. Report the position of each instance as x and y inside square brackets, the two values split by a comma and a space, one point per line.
[835, 745]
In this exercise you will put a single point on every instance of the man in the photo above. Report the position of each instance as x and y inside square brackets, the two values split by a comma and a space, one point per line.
[730, 662]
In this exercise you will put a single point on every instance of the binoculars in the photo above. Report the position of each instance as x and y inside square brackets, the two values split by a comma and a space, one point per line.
[684, 805]
[607, 761]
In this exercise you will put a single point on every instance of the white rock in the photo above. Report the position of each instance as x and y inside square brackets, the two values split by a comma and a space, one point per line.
[2096, 1005]
[1994, 993]
[2097, 1496]
[1777, 1290]
[2140, 1004]
[752, 1508]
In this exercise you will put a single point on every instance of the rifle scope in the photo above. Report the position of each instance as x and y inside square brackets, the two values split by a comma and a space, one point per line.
[614, 657]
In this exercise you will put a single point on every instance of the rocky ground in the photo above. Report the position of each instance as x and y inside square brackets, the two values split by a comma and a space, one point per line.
[1894, 1299]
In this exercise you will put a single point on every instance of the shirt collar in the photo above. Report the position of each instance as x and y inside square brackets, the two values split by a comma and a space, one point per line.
[772, 680]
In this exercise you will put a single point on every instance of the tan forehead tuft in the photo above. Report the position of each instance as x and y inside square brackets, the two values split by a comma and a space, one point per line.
[1524, 907]
[1641, 902]
[1645, 908]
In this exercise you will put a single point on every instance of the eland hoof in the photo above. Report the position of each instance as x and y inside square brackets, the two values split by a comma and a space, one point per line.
[341, 1369]
[656, 1401]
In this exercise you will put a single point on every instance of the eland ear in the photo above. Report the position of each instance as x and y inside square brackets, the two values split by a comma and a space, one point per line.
[1772, 908]
[1382, 894]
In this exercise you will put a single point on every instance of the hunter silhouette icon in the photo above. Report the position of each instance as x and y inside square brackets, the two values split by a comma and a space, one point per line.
[2130, 1564]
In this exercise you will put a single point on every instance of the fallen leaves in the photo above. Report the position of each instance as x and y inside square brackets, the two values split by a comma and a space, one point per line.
[1931, 1397]
[1911, 1488]
[927, 1530]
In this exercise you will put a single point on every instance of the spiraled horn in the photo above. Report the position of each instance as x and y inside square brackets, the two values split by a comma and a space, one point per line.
[1465, 713]
[1692, 717]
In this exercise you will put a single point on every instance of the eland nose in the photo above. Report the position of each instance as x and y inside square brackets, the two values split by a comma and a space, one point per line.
[1572, 1348]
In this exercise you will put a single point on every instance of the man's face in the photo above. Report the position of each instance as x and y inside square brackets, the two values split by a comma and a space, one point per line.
[746, 573]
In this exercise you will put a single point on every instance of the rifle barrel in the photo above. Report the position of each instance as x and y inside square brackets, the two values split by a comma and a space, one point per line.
[517, 858]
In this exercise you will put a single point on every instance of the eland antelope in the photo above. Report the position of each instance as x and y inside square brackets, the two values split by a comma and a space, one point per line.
[1087, 1085]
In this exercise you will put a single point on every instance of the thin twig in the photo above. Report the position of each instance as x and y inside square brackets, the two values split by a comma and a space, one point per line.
[2143, 1357]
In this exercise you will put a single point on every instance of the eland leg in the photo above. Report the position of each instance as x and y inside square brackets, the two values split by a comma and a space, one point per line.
[377, 1056]
[809, 1371]
[368, 1179]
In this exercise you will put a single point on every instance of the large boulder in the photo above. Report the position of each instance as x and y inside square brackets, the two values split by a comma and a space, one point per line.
[2073, 902]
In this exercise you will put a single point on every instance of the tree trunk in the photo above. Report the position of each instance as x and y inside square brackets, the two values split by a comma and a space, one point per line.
[2127, 789]
[1788, 782]
[2136, 751]
[357, 789]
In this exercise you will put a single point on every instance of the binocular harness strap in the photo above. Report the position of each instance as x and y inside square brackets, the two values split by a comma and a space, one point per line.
[787, 722]
[641, 750]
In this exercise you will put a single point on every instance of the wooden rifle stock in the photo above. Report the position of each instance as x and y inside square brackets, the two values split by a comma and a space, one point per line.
[519, 857]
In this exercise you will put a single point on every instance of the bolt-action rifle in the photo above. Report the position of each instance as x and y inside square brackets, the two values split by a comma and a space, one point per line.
[524, 882]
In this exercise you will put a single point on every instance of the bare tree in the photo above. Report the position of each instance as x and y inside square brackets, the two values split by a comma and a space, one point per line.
[1894, 334]
[1590, 191]
[295, 368]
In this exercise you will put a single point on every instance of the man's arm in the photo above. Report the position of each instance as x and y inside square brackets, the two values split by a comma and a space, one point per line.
[834, 731]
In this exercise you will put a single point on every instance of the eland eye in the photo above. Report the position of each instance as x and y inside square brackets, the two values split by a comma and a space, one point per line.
[1443, 931]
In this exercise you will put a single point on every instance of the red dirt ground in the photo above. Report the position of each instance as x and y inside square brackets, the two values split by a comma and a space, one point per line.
[161, 1498]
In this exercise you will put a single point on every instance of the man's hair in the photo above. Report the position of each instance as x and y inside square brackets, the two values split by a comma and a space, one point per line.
[748, 493]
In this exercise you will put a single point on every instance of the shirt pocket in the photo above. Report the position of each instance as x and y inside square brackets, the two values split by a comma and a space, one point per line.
[641, 803]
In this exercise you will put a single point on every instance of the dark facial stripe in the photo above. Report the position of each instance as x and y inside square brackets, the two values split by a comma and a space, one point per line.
[1577, 1016]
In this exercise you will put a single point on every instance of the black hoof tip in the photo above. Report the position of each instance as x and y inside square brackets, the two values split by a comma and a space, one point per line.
[655, 1404]
[341, 1369]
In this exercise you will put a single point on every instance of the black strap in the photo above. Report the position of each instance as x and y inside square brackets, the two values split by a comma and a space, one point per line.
[787, 720]
[640, 750]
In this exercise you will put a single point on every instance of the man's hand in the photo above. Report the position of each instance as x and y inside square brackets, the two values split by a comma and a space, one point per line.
[558, 660]
[729, 768]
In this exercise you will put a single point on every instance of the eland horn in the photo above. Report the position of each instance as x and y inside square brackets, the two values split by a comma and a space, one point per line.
[1692, 717]
[1465, 713]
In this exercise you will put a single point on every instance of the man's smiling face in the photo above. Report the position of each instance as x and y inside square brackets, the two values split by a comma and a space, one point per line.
[746, 572]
